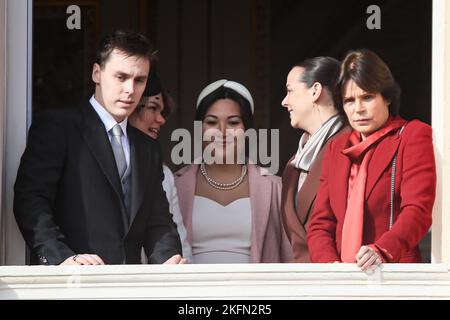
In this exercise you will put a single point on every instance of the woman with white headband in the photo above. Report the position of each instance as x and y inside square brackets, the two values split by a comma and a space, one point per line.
[230, 207]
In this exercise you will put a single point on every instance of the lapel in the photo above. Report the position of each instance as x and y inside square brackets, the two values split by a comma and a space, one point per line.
[97, 140]
[289, 182]
[186, 182]
[338, 177]
[381, 159]
[140, 161]
[308, 191]
[288, 193]
[260, 190]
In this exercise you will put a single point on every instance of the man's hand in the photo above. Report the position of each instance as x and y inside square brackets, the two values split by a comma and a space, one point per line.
[176, 259]
[83, 259]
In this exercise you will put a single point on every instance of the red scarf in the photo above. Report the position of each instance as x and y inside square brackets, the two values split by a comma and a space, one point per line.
[360, 153]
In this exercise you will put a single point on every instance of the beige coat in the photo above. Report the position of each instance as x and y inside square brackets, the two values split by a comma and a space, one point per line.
[296, 220]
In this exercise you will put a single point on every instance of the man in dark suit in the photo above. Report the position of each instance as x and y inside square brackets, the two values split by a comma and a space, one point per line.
[89, 186]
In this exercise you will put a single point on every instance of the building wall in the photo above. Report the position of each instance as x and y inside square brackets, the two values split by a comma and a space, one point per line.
[2, 118]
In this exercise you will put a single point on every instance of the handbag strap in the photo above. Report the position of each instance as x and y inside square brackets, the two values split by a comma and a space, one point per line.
[394, 167]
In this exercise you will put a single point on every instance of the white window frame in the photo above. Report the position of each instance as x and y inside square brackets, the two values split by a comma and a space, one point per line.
[440, 120]
[15, 117]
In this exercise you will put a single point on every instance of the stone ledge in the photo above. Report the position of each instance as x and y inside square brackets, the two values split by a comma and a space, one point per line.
[237, 281]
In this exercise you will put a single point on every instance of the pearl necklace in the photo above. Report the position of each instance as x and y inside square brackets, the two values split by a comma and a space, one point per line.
[223, 186]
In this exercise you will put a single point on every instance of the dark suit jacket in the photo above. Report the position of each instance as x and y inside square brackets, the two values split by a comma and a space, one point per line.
[296, 220]
[68, 198]
[415, 188]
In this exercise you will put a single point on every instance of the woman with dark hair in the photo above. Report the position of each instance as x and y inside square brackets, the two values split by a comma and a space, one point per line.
[309, 101]
[230, 207]
[149, 116]
[378, 181]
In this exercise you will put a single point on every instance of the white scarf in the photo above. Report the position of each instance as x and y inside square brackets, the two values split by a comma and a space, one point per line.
[308, 149]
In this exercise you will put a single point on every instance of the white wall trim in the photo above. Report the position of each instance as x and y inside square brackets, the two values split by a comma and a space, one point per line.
[441, 130]
[17, 98]
[237, 281]
[2, 122]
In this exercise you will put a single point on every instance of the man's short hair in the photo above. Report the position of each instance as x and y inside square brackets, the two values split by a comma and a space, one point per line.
[129, 42]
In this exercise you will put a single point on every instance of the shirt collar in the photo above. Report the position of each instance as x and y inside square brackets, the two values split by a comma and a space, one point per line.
[106, 117]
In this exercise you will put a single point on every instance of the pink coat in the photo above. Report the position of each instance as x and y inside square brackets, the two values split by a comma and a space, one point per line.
[269, 242]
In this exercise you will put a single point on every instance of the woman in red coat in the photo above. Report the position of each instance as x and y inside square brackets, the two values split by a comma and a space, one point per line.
[378, 181]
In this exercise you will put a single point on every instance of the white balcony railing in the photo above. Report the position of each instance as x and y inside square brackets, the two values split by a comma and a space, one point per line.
[249, 281]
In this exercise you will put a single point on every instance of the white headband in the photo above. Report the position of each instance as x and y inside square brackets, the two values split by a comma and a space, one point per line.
[239, 88]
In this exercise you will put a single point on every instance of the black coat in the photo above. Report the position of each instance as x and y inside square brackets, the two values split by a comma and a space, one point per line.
[68, 198]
